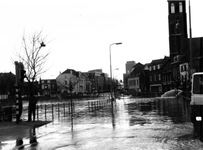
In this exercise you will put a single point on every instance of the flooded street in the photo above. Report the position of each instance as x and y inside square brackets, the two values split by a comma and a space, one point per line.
[148, 123]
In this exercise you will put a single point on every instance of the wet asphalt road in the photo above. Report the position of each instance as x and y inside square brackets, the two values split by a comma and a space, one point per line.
[148, 123]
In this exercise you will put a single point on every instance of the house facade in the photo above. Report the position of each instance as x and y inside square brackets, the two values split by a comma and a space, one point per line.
[167, 82]
[7, 83]
[82, 84]
[156, 68]
[100, 81]
[129, 68]
[138, 79]
[48, 87]
[71, 81]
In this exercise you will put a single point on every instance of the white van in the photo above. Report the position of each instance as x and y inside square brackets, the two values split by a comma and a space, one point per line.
[197, 103]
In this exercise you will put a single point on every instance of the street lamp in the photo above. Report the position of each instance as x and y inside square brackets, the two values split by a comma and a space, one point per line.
[111, 71]
[114, 70]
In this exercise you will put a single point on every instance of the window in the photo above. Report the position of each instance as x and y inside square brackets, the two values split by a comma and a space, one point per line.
[45, 87]
[180, 7]
[183, 78]
[150, 78]
[154, 77]
[172, 8]
[154, 67]
[66, 83]
[158, 66]
[198, 84]
[185, 67]
[131, 82]
[159, 76]
[176, 58]
[181, 68]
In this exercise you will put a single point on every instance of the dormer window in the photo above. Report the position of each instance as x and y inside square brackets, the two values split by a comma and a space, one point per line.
[180, 7]
[172, 8]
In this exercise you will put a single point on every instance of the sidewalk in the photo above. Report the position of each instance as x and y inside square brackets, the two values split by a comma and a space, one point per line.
[11, 130]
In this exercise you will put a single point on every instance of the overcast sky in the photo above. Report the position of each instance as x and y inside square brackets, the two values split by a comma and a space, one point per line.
[80, 32]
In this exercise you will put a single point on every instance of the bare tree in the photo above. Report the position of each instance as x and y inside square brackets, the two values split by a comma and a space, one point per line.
[33, 59]
[32, 56]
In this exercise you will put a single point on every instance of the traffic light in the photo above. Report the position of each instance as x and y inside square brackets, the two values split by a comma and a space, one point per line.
[20, 72]
[22, 75]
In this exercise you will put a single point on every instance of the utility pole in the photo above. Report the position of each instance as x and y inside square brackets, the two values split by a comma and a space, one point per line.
[111, 90]
[190, 28]
[200, 57]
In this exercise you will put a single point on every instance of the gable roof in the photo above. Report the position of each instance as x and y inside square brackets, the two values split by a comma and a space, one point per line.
[159, 61]
[136, 70]
[68, 71]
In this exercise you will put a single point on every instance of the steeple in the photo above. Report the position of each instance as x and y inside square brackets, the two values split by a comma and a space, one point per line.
[177, 22]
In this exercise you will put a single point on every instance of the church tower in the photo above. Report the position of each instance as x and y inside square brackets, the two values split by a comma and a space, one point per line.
[177, 20]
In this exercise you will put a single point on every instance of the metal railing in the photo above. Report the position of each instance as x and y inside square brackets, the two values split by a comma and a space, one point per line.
[50, 111]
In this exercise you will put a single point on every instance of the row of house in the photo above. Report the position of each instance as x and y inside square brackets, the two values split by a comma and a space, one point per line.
[186, 57]
[158, 77]
[67, 82]
[146, 78]
[71, 81]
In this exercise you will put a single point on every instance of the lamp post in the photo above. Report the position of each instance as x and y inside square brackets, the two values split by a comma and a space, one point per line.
[114, 70]
[111, 71]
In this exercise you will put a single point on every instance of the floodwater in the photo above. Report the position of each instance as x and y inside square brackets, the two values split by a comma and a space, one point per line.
[134, 124]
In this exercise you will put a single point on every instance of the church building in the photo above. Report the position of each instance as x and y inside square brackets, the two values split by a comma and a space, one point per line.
[183, 62]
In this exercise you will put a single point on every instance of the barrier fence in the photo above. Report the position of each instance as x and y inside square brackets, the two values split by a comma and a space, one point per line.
[51, 111]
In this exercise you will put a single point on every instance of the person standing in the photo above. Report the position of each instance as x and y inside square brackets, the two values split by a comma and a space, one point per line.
[32, 107]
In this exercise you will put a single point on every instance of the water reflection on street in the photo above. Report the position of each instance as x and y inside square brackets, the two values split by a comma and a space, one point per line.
[148, 123]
